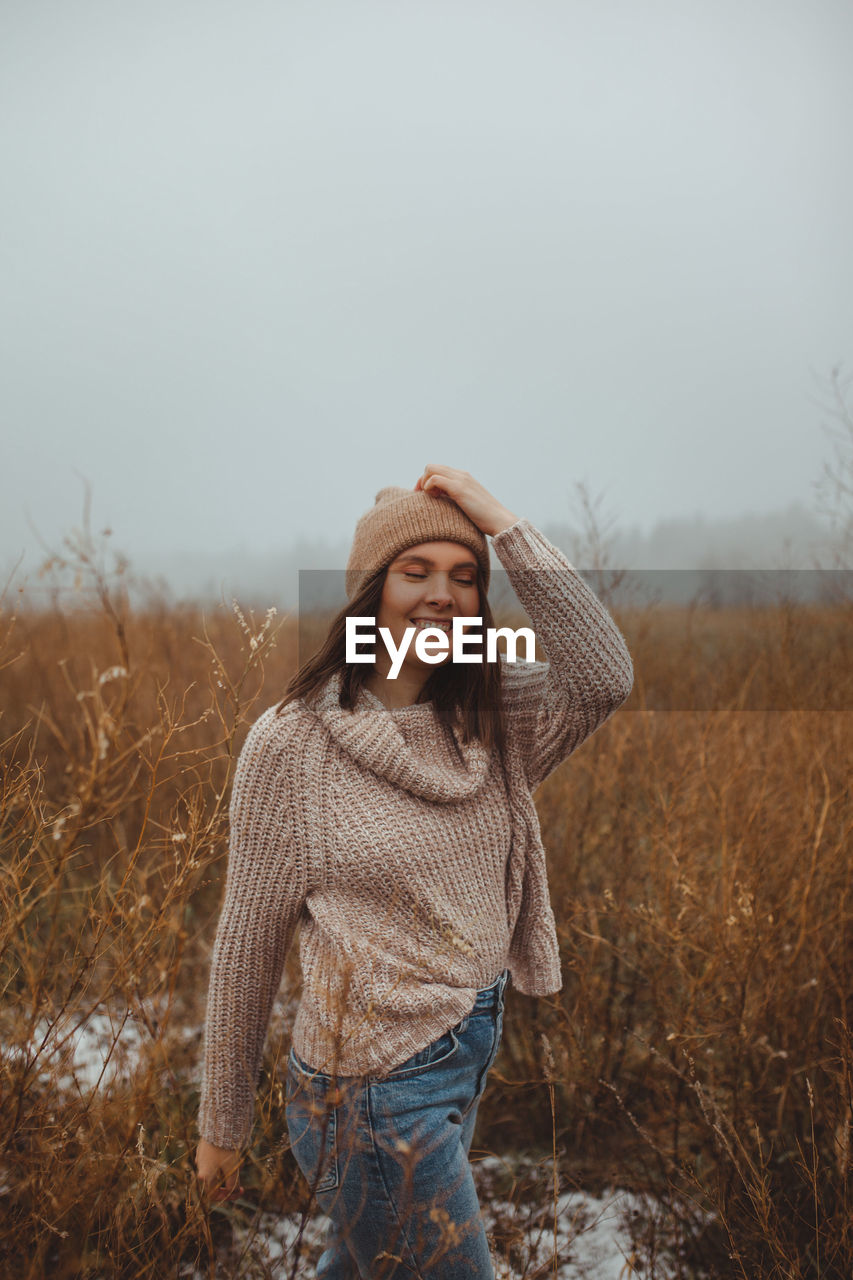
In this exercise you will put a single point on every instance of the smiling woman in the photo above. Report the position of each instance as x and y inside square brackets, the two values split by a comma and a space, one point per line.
[390, 814]
[416, 558]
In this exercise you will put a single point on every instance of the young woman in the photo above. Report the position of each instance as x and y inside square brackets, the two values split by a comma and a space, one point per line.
[393, 819]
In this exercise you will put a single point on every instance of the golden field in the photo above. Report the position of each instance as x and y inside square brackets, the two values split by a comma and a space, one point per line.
[700, 1050]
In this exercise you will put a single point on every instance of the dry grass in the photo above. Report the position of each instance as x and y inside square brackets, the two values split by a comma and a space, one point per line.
[700, 1049]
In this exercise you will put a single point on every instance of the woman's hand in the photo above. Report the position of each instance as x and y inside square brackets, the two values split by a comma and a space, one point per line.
[218, 1171]
[489, 515]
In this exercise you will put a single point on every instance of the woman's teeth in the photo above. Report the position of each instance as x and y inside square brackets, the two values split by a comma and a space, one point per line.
[423, 623]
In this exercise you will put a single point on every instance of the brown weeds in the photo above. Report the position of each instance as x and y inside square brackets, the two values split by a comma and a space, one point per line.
[700, 1049]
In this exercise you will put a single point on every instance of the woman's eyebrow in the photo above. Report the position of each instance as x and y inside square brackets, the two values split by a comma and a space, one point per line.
[460, 564]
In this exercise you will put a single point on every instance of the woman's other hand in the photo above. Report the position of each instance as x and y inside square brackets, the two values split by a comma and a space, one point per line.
[489, 515]
[218, 1171]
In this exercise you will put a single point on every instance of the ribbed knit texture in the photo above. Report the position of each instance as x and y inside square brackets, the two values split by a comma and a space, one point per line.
[416, 876]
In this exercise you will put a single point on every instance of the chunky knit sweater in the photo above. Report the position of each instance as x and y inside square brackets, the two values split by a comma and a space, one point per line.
[412, 863]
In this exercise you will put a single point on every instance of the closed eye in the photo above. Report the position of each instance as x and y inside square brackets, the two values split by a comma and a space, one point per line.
[463, 582]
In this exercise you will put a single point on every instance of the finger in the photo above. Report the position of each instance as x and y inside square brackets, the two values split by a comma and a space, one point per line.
[432, 472]
[217, 1183]
[449, 473]
[222, 1194]
[442, 482]
[445, 475]
[436, 480]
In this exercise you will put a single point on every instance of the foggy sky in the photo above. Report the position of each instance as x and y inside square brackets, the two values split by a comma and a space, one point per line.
[260, 260]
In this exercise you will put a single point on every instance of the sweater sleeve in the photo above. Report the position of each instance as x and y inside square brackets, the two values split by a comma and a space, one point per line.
[554, 706]
[265, 889]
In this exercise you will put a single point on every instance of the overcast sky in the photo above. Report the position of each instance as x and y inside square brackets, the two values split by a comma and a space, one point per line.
[261, 259]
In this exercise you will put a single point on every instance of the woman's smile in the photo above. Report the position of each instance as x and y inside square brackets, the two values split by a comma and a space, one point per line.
[422, 623]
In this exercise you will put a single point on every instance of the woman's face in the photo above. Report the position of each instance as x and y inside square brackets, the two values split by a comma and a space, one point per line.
[428, 584]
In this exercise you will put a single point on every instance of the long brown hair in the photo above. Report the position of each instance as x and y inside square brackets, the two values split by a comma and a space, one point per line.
[465, 695]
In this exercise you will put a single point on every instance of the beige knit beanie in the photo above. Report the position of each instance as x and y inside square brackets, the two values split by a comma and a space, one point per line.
[401, 518]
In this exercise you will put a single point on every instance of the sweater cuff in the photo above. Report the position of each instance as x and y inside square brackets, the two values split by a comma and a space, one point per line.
[527, 546]
[510, 529]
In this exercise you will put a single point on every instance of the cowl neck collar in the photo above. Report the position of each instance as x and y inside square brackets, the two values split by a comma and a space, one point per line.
[372, 735]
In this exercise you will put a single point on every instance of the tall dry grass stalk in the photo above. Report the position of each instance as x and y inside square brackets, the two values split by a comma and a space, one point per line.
[700, 1049]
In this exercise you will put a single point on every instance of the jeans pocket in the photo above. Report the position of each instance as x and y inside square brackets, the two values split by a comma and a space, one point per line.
[312, 1124]
[435, 1054]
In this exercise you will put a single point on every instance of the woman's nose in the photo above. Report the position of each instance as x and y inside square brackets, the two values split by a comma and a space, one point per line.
[439, 595]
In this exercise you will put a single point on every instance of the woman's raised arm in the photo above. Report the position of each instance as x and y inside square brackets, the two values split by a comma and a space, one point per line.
[556, 705]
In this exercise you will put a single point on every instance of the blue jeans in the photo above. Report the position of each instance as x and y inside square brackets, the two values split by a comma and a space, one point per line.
[388, 1159]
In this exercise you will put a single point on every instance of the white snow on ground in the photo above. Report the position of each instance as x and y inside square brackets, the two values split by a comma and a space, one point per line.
[593, 1237]
[83, 1052]
[593, 1240]
[89, 1051]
